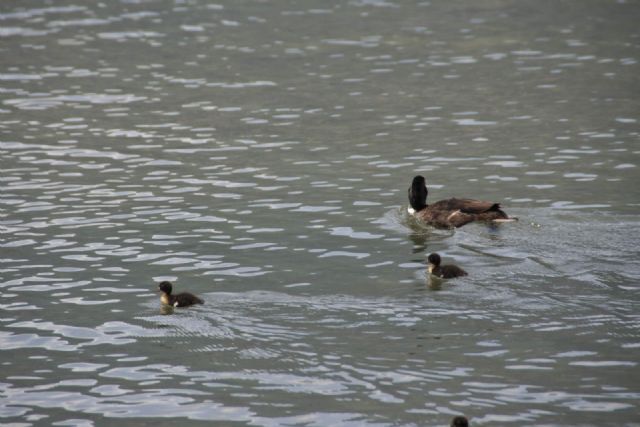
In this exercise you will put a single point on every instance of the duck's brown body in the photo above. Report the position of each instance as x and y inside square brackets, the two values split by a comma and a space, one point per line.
[183, 299]
[448, 271]
[451, 213]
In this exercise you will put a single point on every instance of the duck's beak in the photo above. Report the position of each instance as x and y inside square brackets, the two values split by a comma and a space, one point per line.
[430, 267]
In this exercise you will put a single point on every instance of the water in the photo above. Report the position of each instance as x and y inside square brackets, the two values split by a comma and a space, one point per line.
[258, 155]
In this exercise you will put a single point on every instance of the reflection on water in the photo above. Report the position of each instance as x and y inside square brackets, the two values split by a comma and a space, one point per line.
[258, 154]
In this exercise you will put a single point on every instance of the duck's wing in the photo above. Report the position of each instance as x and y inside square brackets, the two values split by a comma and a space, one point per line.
[185, 299]
[438, 215]
[468, 206]
[480, 206]
[454, 213]
[451, 271]
[458, 218]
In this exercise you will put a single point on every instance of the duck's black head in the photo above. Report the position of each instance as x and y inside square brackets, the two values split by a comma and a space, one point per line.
[434, 259]
[418, 193]
[165, 287]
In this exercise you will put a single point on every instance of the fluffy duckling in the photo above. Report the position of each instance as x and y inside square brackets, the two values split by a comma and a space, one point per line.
[451, 213]
[183, 299]
[443, 271]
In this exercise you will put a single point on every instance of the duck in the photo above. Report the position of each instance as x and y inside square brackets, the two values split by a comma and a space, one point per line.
[443, 271]
[451, 213]
[183, 299]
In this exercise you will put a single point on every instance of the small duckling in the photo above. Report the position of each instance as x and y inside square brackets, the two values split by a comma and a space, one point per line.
[459, 421]
[183, 299]
[444, 271]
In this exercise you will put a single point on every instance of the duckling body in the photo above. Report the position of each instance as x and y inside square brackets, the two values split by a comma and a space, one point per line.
[183, 299]
[444, 271]
[451, 213]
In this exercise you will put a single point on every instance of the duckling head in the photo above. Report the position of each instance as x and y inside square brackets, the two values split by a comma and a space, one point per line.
[434, 261]
[418, 193]
[165, 287]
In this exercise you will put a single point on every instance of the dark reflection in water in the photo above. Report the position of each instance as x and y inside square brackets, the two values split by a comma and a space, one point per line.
[259, 154]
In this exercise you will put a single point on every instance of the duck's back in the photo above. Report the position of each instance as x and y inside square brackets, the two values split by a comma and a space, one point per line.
[458, 212]
[185, 299]
[449, 271]
[469, 206]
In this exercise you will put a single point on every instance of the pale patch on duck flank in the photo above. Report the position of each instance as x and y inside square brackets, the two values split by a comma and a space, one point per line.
[454, 213]
[512, 219]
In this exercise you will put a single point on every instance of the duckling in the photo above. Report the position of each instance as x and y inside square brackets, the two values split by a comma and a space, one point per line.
[451, 213]
[459, 421]
[183, 299]
[444, 271]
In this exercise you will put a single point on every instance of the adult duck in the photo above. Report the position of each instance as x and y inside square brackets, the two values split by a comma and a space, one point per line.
[451, 213]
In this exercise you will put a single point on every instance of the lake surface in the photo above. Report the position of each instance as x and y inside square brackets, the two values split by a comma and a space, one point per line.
[258, 153]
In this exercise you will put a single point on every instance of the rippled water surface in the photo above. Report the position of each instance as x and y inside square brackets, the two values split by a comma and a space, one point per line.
[257, 153]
